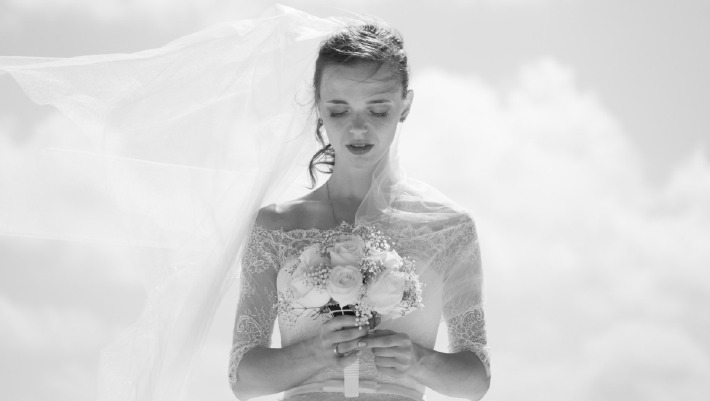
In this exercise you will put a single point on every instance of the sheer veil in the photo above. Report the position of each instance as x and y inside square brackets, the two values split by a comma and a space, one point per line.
[449, 261]
[188, 141]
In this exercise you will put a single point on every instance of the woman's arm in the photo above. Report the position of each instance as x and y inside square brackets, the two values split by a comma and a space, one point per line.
[460, 374]
[272, 370]
[464, 372]
[255, 369]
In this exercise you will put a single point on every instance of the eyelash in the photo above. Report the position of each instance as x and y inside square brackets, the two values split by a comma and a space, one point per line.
[381, 115]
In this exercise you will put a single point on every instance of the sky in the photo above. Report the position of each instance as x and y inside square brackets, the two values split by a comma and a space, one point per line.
[576, 132]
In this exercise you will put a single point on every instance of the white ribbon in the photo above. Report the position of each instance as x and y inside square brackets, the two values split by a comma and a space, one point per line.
[351, 379]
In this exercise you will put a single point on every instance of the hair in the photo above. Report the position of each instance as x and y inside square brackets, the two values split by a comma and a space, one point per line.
[368, 43]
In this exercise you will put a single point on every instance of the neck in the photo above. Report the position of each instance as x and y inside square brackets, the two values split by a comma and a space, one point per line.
[350, 184]
[346, 189]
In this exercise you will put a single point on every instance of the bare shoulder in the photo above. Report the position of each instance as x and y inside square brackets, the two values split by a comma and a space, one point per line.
[269, 217]
[302, 213]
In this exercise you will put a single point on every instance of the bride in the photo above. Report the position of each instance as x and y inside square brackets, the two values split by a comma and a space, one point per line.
[361, 97]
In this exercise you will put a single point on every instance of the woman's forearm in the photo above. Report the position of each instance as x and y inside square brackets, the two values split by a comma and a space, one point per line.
[460, 374]
[265, 371]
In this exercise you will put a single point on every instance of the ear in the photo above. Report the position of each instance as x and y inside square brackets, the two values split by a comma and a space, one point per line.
[407, 105]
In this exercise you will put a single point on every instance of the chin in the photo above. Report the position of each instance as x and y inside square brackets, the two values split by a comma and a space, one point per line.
[366, 163]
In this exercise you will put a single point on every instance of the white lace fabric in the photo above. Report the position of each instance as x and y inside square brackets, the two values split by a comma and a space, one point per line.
[435, 249]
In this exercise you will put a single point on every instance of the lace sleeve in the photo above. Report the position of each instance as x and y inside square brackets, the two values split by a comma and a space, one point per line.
[463, 303]
[256, 314]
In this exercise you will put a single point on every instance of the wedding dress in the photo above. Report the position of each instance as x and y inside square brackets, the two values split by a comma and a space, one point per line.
[182, 145]
[445, 249]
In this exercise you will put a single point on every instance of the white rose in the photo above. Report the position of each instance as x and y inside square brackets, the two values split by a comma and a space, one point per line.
[303, 292]
[311, 256]
[347, 252]
[344, 284]
[389, 259]
[386, 291]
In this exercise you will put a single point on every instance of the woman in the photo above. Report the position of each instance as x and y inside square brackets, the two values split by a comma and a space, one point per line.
[361, 97]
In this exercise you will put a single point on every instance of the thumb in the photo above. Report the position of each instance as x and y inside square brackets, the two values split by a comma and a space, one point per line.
[349, 358]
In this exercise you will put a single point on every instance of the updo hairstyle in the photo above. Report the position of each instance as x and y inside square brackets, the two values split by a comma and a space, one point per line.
[366, 43]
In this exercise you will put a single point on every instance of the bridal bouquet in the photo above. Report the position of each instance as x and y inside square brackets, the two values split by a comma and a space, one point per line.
[354, 268]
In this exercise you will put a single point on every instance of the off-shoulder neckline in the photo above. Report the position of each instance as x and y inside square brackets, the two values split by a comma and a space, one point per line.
[305, 231]
[299, 230]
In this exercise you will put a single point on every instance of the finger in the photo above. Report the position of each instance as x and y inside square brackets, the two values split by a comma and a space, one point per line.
[386, 362]
[389, 352]
[380, 333]
[347, 334]
[341, 322]
[352, 345]
[347, 359]
[385, 341]
[391, 372]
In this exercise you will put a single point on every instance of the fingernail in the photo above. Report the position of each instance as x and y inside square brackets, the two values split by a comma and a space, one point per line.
[358, 353]
[361, 344]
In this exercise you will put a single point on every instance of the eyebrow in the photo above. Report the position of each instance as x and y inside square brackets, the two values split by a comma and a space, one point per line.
[375, 101]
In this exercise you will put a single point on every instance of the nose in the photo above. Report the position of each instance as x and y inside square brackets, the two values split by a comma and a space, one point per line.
[358, 126]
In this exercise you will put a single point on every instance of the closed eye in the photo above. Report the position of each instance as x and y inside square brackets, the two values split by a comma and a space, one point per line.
[383, 114]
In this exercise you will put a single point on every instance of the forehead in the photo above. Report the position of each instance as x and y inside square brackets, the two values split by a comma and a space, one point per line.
[359, 81]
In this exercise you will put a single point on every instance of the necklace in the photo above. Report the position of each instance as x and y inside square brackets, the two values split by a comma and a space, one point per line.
[332, 208]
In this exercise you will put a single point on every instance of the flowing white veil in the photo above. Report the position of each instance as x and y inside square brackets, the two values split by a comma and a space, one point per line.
[186, 142]
[420, 214]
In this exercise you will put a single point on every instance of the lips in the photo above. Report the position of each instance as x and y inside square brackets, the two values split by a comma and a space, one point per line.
[359, 149]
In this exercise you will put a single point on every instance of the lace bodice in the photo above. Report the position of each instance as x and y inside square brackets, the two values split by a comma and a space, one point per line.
[436, 250]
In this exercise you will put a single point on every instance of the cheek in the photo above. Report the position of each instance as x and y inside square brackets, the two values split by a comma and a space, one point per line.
[386, 122]
[383, 125]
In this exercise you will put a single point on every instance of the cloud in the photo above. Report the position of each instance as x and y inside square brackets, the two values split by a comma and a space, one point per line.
[676, 370]
[575, 241]
[48, 329]
[102, 10]
[161, 12]
[689, 187]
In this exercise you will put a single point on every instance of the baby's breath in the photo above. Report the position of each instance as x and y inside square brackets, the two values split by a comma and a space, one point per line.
[285, 308]
[317, 276]
[369, 269]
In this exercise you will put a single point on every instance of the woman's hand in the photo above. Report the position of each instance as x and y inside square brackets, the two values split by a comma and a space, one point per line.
[341, 332]
[460, 374]
[395, 353]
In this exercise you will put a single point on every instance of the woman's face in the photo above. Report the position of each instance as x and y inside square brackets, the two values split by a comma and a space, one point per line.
[360, 106]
